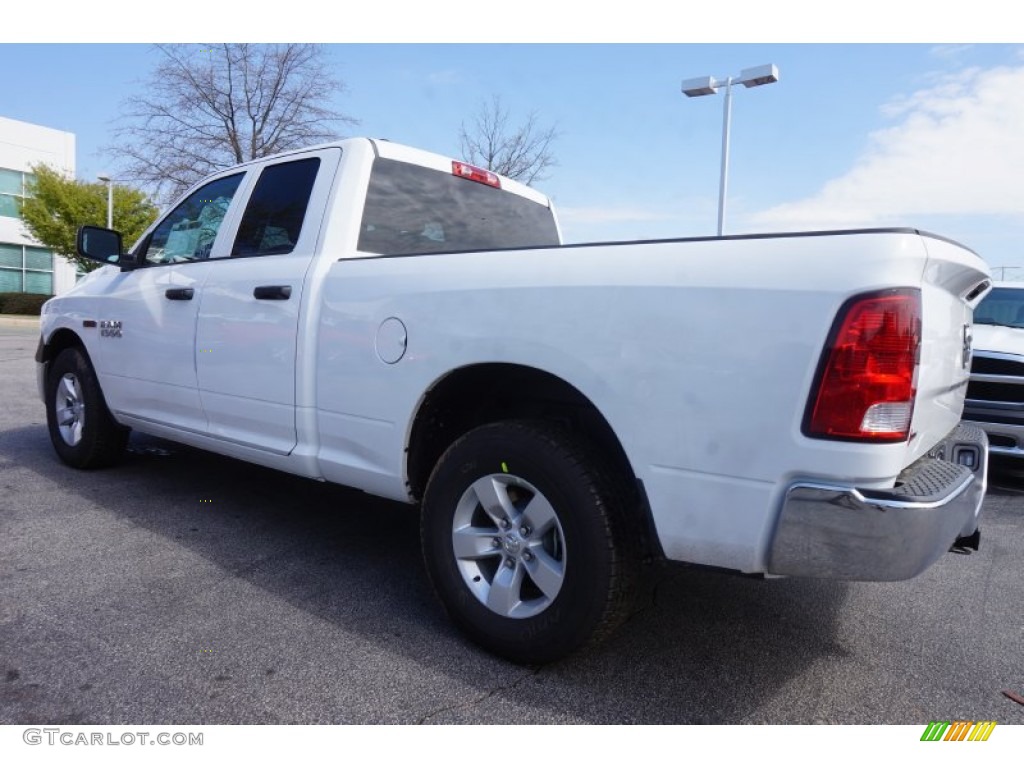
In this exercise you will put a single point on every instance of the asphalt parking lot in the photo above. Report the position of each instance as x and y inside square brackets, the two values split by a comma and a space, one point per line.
[182, 587]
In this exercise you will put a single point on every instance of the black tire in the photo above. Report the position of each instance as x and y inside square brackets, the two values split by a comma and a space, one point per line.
[82, 431]
[584, 555]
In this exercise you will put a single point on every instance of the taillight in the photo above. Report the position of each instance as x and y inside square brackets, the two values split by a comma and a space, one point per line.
[867, 377]
[471, 172]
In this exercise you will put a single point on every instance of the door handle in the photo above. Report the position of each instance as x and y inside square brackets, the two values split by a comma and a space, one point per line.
[272, 292]
[179, 294]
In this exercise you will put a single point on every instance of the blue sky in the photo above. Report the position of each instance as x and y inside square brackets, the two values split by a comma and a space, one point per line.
[922, 134]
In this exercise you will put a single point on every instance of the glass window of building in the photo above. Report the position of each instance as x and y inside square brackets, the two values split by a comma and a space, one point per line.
[13, 185]
[24, 268]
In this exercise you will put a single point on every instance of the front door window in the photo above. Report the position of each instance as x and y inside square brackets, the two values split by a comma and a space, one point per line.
[188, 232]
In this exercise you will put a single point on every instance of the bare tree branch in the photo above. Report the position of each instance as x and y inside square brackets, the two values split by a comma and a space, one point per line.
[206, 108]
[522, 153]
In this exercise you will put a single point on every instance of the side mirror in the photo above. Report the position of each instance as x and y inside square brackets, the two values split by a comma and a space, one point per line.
[102, 245]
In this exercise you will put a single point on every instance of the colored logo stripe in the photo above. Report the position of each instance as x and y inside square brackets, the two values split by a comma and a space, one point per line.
[982, 731]
[958, 730]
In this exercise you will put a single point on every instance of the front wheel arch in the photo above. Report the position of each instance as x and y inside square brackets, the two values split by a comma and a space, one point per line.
[61, 339]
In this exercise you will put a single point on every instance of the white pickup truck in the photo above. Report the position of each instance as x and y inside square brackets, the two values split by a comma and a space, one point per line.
[995, 395]
[373, 315]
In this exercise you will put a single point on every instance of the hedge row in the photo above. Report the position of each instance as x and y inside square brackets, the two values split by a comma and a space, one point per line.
[22, 303]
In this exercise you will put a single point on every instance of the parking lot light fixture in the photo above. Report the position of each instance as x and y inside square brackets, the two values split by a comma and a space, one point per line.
[109, 181]
[706, 86]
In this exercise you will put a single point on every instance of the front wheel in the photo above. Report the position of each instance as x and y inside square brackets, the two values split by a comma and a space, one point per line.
[82, 431]
[526, 539]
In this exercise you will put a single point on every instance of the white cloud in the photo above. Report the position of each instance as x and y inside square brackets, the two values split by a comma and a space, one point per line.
[949, 51]
[957, 149]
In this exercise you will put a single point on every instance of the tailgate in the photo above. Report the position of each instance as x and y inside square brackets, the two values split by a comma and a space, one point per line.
[954, 281]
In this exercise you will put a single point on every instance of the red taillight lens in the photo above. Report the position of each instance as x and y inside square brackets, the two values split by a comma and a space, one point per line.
[867, 378]
[471, 172]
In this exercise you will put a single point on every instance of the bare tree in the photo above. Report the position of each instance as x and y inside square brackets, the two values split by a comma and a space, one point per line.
[208, 107]
[522, 152]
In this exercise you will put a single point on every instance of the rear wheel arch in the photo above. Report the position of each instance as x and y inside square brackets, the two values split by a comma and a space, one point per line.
[472, 396]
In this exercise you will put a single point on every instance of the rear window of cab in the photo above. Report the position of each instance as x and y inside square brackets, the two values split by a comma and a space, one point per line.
[412, 209]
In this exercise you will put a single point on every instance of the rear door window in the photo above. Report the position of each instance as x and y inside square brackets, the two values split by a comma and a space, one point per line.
[273, 218]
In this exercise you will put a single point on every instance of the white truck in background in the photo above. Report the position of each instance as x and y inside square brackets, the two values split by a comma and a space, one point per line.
[995, 395]
[368, 314]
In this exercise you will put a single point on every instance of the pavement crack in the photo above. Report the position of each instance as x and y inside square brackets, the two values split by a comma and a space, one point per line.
[652, 594]
[532, 672]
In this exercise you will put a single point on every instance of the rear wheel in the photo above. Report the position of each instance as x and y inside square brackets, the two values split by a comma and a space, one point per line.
[526, 540]
[82, 431]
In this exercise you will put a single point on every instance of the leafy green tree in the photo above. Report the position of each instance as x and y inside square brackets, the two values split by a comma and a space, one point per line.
[58, 206]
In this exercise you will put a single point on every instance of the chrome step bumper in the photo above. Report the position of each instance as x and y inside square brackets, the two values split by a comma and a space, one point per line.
[835, 532]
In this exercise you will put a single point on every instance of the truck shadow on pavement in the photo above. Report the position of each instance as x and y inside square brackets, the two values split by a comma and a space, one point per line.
[344, 571]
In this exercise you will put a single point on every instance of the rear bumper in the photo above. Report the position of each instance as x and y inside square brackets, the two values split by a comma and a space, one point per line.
[830, 531]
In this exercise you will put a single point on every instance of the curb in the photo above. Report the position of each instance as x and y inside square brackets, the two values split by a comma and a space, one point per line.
[19, 321]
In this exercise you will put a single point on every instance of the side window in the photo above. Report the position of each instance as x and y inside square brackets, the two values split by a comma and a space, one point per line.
[273, 218]
[189, 230]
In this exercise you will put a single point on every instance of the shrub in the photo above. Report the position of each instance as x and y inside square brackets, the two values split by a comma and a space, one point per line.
[22, 303]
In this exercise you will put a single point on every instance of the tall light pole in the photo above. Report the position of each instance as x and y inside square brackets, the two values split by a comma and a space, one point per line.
[707, 85]
[110, 198]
